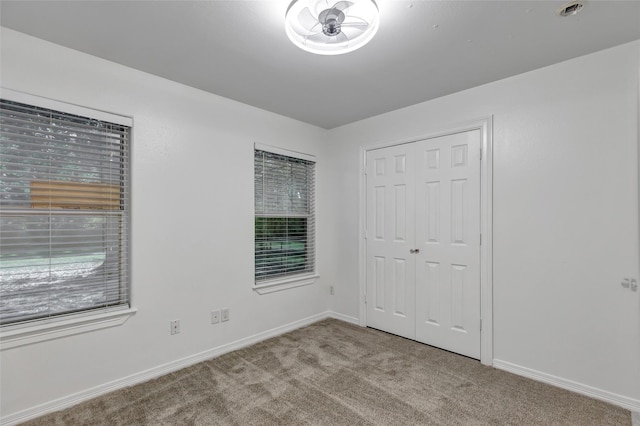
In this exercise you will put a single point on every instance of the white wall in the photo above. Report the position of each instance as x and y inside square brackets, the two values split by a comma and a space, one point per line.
[192, 221]
[565, 214]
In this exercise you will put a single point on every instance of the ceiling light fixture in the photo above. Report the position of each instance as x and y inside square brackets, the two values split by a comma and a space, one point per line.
[327, 27]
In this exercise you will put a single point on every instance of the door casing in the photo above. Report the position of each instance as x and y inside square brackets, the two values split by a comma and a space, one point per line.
[485, 126]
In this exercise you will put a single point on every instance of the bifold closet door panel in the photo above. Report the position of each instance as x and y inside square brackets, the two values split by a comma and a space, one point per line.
[390, 237]
[448, 237]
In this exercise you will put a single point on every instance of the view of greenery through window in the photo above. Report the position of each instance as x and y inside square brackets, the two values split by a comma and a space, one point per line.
[281, 245]
[284, 221]
[66, 258]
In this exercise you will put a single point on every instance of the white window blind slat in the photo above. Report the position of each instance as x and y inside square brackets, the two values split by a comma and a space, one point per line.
[64, 222]
[33, 133]
[284, 216]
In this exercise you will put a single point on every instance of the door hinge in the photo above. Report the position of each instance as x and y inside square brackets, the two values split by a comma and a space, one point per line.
[480, 239]
[480, 324]
[365, 298]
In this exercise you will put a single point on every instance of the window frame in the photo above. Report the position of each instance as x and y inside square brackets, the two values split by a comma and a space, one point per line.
[271, 285]
[42, 329]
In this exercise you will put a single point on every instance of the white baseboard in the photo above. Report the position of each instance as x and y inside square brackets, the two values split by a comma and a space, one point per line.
[152, 373]
[606, 396]
[343, 317]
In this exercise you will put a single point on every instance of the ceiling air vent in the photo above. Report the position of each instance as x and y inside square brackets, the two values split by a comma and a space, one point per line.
[570, 8]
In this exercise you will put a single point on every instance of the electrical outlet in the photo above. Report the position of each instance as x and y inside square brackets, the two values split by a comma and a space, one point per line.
[224, 314]
[332, 291]
[215, 316]
[175, 326]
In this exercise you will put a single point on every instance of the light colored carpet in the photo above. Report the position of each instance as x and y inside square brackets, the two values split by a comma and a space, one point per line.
[334, 373]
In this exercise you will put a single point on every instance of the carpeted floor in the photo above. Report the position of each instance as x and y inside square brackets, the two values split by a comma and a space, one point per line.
[334, 373]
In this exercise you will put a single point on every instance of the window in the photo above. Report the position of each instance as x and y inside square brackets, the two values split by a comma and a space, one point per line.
[284, 216]
[64, 213]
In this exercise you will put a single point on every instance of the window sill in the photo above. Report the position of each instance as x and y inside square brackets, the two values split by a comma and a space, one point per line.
[49, 329]
[285, 284]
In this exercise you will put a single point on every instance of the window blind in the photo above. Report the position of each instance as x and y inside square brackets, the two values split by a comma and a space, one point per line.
[64, 213]
[284, 216]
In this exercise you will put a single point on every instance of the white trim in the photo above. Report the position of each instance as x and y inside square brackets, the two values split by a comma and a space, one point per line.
[152, 373]
[465, 126]
[343, 317]
[286, 152]
[362, 246]
[486, 249]
[283, 284]
[635, 415]
[54, 328]
[606, 396]
[26, 98]
[485, 126]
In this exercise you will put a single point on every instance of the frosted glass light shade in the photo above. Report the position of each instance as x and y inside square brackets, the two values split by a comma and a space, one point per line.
[330, 27]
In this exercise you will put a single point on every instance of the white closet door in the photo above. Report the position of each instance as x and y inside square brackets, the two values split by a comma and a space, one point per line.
[448, 236]
[390, 237]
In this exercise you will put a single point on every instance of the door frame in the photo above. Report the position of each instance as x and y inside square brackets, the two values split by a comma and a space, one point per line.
[485, 125]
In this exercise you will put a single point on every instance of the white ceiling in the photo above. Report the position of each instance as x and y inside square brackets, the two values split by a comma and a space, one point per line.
[239, 49]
